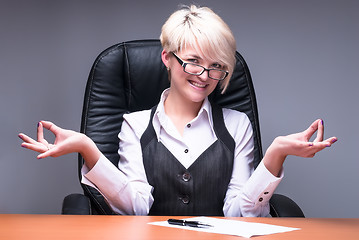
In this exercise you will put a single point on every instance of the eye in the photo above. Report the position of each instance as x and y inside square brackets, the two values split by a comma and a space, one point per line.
[193, 60]
[217, 65]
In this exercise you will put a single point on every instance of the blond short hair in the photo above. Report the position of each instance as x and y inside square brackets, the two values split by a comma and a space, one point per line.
[202, 29]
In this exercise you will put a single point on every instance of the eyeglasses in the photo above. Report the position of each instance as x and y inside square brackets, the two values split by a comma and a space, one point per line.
[197, 70]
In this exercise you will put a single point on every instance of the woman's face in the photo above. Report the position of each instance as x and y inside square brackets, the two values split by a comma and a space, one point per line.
[193, 88]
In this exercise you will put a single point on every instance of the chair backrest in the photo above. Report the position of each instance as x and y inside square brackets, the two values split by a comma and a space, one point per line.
[129, 77]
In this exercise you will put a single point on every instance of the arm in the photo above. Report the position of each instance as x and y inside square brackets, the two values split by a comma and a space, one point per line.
[250, 190]
[125, 188]
[66, 141]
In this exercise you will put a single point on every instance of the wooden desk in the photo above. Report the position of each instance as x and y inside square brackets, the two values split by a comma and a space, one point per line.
[136, 227]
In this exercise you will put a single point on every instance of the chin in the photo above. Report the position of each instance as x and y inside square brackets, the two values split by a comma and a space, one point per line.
[198, 98]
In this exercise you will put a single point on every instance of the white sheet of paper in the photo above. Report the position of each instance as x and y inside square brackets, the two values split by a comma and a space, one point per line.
[231, 227]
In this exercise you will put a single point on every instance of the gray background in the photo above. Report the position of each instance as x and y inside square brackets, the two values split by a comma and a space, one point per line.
[303, 56]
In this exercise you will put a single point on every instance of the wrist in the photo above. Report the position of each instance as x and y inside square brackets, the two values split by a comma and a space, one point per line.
[277, 149]
[85, 144]
[89, 151]
[275, 157]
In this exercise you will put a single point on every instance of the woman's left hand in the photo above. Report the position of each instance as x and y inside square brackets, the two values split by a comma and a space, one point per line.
[297, 144]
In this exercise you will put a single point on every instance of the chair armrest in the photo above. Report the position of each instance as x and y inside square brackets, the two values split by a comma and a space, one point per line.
[282, 206]
[76, 204]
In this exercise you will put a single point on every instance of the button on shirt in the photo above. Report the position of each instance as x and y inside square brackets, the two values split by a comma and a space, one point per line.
[127, 190]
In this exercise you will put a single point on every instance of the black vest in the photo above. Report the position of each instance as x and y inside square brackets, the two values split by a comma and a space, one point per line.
[197, 191]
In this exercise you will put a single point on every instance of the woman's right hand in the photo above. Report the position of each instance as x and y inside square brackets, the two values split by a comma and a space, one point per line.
[66, 141]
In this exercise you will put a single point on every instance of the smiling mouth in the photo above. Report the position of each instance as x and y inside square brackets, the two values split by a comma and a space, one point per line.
[196, 84]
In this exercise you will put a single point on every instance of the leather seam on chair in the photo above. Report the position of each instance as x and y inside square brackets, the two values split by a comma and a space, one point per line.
[86, 111]
[89, 201]
[128, 75]
[95, 200]
[104, 54]
[274, 210]
[88, 90]
[91, 77]
[253, 100]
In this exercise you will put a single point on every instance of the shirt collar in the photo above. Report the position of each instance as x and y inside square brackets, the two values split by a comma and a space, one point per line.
[160, 118]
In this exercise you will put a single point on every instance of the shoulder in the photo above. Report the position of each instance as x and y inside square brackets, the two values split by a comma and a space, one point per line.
[136, 116]
[136, 121]
[234, 116]
[237, 122]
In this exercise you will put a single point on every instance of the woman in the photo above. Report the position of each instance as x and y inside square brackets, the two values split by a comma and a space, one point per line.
[172, 159]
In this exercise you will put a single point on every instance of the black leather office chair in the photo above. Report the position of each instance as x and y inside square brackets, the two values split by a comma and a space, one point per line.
[130, 76]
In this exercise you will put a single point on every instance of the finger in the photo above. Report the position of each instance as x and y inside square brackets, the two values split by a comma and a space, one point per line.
[319, 146]
[50, 126]
[320, 133]
[315, 148]
[312, 129]
[37, 147]
[40, 133]
[50, 152]
[306, 149]
[26, 138]
[330, 141]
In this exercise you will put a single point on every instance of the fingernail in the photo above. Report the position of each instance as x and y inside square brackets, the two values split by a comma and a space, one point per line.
[23, 146]
[38, 124]
[334, 140]
[310, 144]
[20, 136]
[322, 121]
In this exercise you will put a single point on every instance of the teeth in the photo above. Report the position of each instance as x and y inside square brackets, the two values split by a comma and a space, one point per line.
[198, 85]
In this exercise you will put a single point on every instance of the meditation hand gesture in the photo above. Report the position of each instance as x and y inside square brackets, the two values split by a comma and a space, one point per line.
[66, 141]
[296, 144]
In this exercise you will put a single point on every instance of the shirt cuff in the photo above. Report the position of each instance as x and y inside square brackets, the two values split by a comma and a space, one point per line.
[104, 176]
[261, 185]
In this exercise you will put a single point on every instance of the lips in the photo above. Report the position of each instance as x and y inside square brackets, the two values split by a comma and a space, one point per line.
[199, 85]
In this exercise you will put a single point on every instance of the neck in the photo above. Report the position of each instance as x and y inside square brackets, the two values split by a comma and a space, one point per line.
[181, 111]
[176, 106]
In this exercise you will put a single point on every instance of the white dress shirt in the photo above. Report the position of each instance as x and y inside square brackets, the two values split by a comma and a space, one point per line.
[126, 188]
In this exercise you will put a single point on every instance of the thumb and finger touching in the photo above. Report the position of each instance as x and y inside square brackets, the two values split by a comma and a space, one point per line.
[41, 145]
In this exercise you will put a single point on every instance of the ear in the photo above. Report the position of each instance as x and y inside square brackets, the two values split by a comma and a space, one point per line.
[165, 58]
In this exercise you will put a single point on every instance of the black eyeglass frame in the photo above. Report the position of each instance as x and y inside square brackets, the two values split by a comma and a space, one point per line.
[184, 64]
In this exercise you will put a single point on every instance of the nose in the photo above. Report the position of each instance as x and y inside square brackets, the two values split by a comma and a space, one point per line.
[204, 76]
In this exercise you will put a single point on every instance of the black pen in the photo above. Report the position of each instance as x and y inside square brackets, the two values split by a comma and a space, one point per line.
[187, 223]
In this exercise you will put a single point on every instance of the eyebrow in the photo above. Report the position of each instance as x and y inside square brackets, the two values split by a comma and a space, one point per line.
[190, 55]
